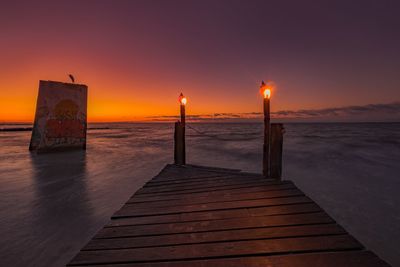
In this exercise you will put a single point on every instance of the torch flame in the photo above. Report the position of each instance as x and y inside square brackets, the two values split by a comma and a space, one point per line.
[267, 93]
[182, 99]
[265, 90]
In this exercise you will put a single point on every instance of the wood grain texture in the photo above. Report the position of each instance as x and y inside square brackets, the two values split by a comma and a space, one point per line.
[199, 216]
[216, 215]
[203, 226]
[216, 236]
[131, 210]
[211, 194]
[223, 249]
[325, 259]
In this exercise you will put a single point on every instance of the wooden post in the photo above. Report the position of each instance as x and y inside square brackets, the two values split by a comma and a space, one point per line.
[277, 131]
[183, 115]
[179, 141]
[266, 148]
[179, 137]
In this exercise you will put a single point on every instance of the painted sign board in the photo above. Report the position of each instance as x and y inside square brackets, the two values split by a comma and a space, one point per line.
[60, 118]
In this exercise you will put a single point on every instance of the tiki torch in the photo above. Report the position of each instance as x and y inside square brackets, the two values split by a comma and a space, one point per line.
[183, 101]
[179, 136]
[266, 92]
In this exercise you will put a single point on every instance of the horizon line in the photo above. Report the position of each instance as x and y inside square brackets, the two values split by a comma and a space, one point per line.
[387, 112]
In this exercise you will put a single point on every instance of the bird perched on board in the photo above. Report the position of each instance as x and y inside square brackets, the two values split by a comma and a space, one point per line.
[72, 78]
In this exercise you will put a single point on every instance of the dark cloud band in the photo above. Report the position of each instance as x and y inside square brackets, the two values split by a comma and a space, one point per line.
[390, 111]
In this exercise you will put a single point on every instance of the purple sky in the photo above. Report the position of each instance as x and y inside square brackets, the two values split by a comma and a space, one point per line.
[321, 54]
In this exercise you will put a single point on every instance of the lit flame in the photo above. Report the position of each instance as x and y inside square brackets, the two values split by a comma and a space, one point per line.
[267, 93]
[265, 90]
[182, 99]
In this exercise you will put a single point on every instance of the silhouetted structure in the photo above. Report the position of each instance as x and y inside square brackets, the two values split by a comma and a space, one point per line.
[60, 118]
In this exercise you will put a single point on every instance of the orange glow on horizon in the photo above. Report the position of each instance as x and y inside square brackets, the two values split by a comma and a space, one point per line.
[113, 99]
[118, 106]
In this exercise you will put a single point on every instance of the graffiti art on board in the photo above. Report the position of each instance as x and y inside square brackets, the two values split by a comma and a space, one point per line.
[66, 123]
[60, 119]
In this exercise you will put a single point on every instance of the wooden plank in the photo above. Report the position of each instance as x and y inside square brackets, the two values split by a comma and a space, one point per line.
[198, 177]
[284, 209]
[320, 259]
[177, 172]
[204, 190]
[215, 236]
[190, 168]
[210, 194]
[183, 179]
[131, 210]
[222, 198]
[211, 168]
[195, 175]
[178, 177]
[217, 215]
[208, 185]
[191, 216]
[224, 249]
[214, 225]
[178, 217]
[199, 190]
[202, 181]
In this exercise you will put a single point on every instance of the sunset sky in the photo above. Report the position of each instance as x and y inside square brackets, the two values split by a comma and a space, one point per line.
[137, 56]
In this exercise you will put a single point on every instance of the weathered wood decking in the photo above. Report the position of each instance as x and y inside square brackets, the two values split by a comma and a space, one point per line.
[196, 216]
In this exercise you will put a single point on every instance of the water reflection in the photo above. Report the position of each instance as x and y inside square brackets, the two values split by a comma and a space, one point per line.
[61, 201]
[60, 178]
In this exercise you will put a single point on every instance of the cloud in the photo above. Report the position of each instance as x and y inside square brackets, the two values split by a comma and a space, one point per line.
[391, 110]
[371, 112]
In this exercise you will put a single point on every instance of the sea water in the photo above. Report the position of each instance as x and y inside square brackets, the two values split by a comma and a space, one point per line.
[52, 204]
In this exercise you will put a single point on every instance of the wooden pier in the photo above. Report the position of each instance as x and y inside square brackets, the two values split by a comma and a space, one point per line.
[197, 216]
